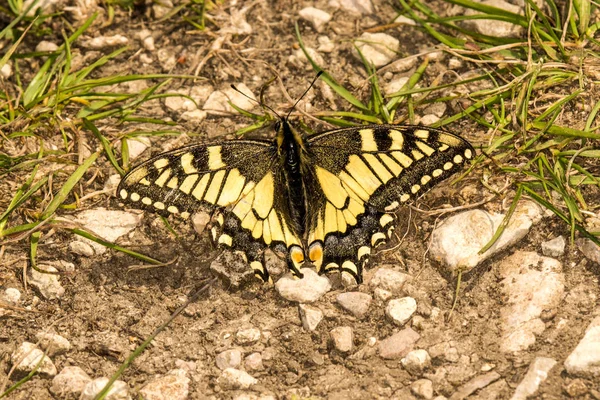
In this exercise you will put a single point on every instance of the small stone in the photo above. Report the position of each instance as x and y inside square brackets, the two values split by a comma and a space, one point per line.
[402, 19]
[416, 361]
[395, 85]
[47, 284]
[389, 279]
[399, 344]
[46, 46]
[253, 362]
[326, 45]
[218, 101]
[455, 63]
[584, 361]
[247, 337]
[318, 18]
[145, 36]
[6, 71]
[232, 378]
[429, 119]
[69, 382]
[12, 295]
[102, 42]
[382, 294]
[377, 48]
[358, 6]
[27, 357]
[356, 303]
[162, 8]
[306, 290]
[590, 250]
[554, 247]
[53, 343]
[107, 224]
[173, 386]
[495, 28]
[229, 359]
[576, 388]
[400, 310]
[310, 316]
[137, 145]
[81, 248]
[422, 388]
[118, 391]
[342, 338]
[195, 116]
[535, 376]
[477, 383]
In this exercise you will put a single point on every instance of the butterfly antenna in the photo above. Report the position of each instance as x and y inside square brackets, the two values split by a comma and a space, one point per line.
[260, 103]
[304, 94]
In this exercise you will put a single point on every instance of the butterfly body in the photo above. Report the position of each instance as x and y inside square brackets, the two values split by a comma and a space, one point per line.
[327, 200]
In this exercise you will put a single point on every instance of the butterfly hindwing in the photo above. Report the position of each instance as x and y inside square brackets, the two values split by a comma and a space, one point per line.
[360, 176]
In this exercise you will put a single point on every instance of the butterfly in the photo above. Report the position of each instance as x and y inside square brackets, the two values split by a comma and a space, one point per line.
[326, 199]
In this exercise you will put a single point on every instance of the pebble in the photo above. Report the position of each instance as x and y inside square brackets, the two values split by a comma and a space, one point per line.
[53, 343]
[342, 338]
[377, 48]
[137, 145]
[12, 295]
[173, 386]
[107, 224]
[102, 42]
[590, 250]
[493, 27]
[429, 119]
[389, 279]
[318, 18]
[306, 290]
[395, 85]
[28, 356]
[554, 247]
[382, 294]
[232, 378]
[358, 6]
[218, 101]
[531, 284]
[576, 388]
[46, 46]
[477, 383]
[166, 58]
[82, 248]
[399, 344]
[455, 63]
[162, 8]
[229, 359]
[47, 284]
[253, 362]
[457, 240]
[535, 376]
[145, 36]
[247, 337]
[422, 388]
[6, 71]
[416, 361]
[326, 45]
[195, 116]
[69, 382]
[356, 303]
[584, 361]
[400, 310]
[310, 316]
[118, 391]
[402, 19]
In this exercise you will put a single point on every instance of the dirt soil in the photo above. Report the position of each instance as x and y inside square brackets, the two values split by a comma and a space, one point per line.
[106, 311]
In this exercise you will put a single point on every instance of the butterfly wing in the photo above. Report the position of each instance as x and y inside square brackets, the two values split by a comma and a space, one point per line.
[238, 178]
[359, 176]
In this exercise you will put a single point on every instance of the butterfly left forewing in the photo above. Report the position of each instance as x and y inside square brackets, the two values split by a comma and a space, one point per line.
[361, 175]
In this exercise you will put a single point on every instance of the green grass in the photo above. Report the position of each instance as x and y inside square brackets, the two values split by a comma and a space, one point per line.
[544, 157]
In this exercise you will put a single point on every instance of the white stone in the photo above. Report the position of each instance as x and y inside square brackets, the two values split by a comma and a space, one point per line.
[429, 119]
[356, 303]
[382, 294]
[310, 316]
[145, 36]
[422, 388]
[195, 116]
[47, 284]
[395, 85]
[82, 248]
[69, 382]
[400, 310]
[299, 59]
[162, 8]
[535, 376]
[492, 27]
[107, 224]
[137, 145]
[389, 279]
[253, 362]
[457, 240]
[231, 358]
[377, 48]
[531, 284]
[118, 390]
[53, 343]
[6, 71]
[172, 386]
[232, 378]
[554, 247]
[326, 45]
[102, 42]
[179, 100]
[584, 361]
[318, 18]
[403, 19]
[306, 290]
[45, 45]
[416, 361]
[358, 6]
[342, 338]
[218, 101]
[247, 337]
[12, 295]
[455, 63]
[27, 357]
